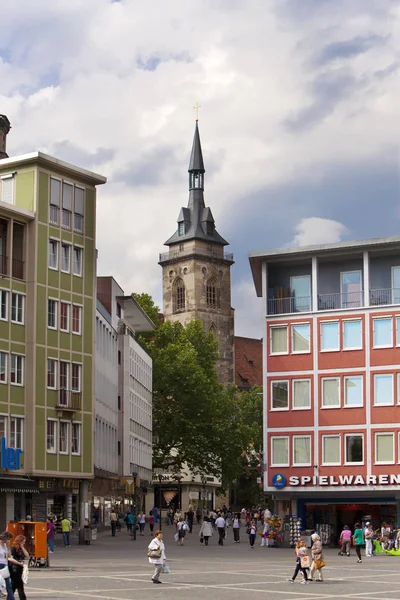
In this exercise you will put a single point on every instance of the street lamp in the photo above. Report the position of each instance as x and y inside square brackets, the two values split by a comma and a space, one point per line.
[204, 491]
[159, 481]
[179, 478]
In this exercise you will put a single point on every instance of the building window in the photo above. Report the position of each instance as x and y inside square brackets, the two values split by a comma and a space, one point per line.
[279, 339]
[52, 313]
[3, 367]
[351, 288]
[181, 247]
[384, 448]
[330, 336]
[383, 389]
[79, 201]
[55, 197]
[51, 373]
[300, 288]
[181, 228]
[64, 316]
[64, 379]
[119, 357]
[331, 392]
[17, 308]
[16, 439]
[301, 450]
[51, 436]
[18, 252]
[178, 295]
[119, 310]
[76, 319]
[3, 426]
[383, 333]
[53, 254]
[76, 377]
[67, 205]
[301, 338]
[301, 394]
[7, 188]
[280, 451]
[63, 442]
[66, 258]
[331, 450]
[353, 392]
[16, 369]
[354, 449]
[280, 395]
[78, 252]
[3, 305]
[352, 335]
[76, 438]
[211, 293]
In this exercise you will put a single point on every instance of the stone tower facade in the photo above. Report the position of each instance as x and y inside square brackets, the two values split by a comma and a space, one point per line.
[5, 127]
[196, 270]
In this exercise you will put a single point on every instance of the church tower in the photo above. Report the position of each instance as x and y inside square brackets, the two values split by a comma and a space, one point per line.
[196, 270]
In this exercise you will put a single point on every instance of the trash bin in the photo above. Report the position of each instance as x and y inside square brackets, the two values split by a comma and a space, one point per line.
[87, 534]
[94, 534]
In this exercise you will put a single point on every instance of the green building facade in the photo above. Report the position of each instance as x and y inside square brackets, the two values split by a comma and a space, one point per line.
[47, 310]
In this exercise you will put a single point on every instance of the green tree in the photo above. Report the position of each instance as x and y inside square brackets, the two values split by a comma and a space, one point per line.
[153, 311]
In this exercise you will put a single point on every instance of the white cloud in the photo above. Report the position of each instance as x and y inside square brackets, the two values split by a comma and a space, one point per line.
[315, 230]
[249, 316]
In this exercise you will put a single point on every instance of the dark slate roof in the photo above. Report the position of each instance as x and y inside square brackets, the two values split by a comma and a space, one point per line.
[196, 158]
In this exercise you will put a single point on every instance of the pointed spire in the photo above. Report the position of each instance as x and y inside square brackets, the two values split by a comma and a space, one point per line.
[196, 158]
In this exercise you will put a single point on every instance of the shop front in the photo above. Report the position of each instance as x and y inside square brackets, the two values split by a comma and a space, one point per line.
[58, 497]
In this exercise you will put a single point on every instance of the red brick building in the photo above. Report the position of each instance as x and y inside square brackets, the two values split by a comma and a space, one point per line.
[332, 380]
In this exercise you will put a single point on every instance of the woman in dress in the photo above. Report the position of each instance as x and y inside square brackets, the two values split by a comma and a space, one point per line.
[206, 530]
[19, 554]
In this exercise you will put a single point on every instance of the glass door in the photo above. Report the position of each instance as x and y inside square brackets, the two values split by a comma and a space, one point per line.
[301, 293]
[395, 285]
[351, 288]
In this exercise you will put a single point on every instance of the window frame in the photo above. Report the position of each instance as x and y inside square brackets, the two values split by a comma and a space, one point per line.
[329, 322]
[76, 229]
[6, 355]
[293, 326]
[274, 327]
[376, 319]
[355, 434]
[68, 305]
[55, 300]
[79, 307]
[386, 434]
[65, 245]
[52, 204]
[331, 435]
[275, 381]
[54, 449]
[302, 380]
[55, 361]
[22, 369]
[4, 293]
[80, 251]
[353, 376]
[280, 437]
[375, 375]
[21, 297]
[77, 424]
[66, 211]
[7, 177]
[4, 418]
[322, 393]
[63, 422]
[344, 322]
[57, 253]
[79, 365]
[299, 436]
[21, 420]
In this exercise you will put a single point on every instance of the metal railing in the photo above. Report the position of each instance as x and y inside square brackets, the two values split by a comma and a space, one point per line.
[195, 250]
[68, 400]
[338, 300]
[385, 296]
[279, 306]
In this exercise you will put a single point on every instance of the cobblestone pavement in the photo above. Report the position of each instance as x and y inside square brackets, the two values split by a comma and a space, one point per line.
[118, 569]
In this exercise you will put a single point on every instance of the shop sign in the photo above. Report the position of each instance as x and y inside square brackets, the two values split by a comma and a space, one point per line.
[279, 481]
[10, 457]
[47, 484]
[342, 480]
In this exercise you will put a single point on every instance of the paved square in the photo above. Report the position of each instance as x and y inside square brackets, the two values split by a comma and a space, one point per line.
[118, 569]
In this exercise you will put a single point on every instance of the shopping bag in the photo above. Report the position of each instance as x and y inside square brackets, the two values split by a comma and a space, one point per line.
[165, 569]
[3, 589]
[319, 564]
[176, 537]
[25, 575]
[305, 562]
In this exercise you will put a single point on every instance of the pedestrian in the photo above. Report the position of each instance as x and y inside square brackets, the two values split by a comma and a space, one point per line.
[156, 554]
[236, 528]
[302, 561]
[129, 522]
[385, 536]
[358, 540]
[66, 530]
[228, 517]
[142, 522]
[113, 520]
[265, 534]
[19, 554]
[220, 524]
[181, 530]
[51, 533]
[206, 530]
[213, 518]
[177, 518]
[397, 540]
[198, 515]
[151, 522]
[190, 518]
[369, 539]
[345, 538]
[252, 532]
[317, 558]
[5, 558]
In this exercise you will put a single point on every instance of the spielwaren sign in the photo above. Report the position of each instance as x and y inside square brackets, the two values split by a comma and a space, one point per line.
[344, 480]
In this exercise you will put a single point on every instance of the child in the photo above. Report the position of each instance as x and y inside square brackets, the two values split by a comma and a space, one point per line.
[301, 553]
[265, 535]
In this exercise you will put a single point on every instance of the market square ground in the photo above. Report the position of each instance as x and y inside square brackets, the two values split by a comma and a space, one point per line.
[117, 569]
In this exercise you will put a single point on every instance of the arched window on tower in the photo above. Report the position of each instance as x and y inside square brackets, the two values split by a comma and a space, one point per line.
[178, 295]
[212, 293]
[213, 330]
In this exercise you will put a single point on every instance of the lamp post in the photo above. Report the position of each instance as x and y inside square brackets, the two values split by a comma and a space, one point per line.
[179, 478]
[159, 481]
[204, 491]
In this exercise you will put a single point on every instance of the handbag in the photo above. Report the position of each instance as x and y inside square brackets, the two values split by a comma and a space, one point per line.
[201, 540]
[319, 563]
[154, 553]
[5, 572]
[305, 562]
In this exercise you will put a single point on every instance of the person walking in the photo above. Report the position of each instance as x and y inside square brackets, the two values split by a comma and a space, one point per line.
[369, 537]
[358, 539]
[156, 554]
[220, 524]
[345, 538]
[19, 554]
[66, 530]
[302, 562]
[181, 530]
[5, 558]
[129, 522]
[113, 521]
[236, 528]
[151, 522]
[265, 534]
[317, 558]
[190, 518]
[51, 533]
[142, 522]
[206, 530]
[252, 531]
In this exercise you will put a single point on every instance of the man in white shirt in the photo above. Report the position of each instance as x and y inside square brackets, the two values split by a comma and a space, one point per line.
[220, 523]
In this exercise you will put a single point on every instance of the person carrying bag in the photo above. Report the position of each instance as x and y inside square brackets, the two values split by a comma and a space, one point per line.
[317, 558]
[156, 555]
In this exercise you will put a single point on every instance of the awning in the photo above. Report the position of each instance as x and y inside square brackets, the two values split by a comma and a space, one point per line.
[18, 485]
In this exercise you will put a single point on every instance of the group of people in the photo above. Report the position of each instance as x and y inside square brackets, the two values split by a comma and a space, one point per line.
[386, 536]
[309, 570]
[51, 532]
[12, 563]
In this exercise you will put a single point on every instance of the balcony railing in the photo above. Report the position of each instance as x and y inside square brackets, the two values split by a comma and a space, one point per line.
[279, 306]
[384, 297]
[337, 300]
[69, 401]
[195, 250]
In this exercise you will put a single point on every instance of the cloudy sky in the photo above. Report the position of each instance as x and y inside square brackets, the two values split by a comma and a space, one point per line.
[299, 119]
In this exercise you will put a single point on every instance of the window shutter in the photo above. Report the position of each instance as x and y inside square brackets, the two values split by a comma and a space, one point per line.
[7, 191]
